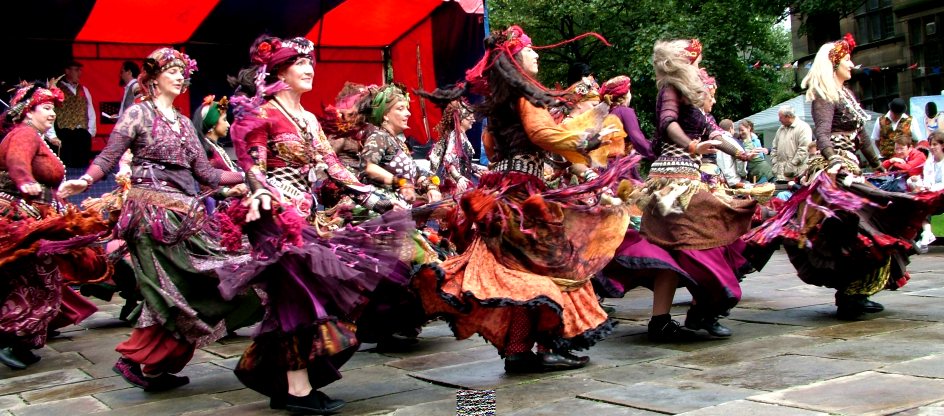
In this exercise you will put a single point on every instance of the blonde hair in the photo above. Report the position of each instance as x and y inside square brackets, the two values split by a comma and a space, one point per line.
[821, 80]
[673, 67]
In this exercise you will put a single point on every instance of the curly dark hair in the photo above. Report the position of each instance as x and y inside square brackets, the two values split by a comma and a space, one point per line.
[506, 85]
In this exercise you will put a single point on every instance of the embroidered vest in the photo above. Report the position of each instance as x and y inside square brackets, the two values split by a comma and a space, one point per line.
[888, 135]
[73, 112]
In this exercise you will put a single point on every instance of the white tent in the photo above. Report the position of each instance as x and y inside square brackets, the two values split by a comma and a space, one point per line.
[766, 122]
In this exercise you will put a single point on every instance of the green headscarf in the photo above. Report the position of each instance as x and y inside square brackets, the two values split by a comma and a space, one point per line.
[384, 99]
[217, 109]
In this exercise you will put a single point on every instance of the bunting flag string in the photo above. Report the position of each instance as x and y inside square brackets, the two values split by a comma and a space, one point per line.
[865, 69]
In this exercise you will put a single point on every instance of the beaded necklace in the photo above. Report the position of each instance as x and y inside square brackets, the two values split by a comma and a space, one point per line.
[179, 131]
[302, 125]
[850, 102]
[219, 150]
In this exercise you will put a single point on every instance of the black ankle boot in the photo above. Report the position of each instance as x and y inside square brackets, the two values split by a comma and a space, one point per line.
[315, 402]
[525, 362]
[9, 359]
[663, 328]
[697, 320]
[561, 360]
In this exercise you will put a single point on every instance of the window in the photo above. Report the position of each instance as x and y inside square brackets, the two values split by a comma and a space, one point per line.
[927, 52]
[878, 88]
[874, 21]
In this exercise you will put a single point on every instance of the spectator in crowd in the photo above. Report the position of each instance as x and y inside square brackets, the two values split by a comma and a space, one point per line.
[75, 119]
[129, 80]
[758, 168]
[733, 170]
[931, 179]
[891, 125]
[789, 154]
[906, 158]
[933, 119]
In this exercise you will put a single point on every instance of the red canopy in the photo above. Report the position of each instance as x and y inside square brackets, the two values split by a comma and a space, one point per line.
[358, 40]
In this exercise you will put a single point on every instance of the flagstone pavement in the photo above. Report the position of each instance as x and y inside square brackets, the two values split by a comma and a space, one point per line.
[789, 356]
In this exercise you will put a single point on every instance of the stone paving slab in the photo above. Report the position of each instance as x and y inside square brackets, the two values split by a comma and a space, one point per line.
[530, 395]
[73, 407]
[41, 380]
[240, 397]
[931, 366]
[750, 349]
[438, 407]
[749, 408]
[581, 407]
[936, 409]
[73, 390]
[867, 393]
[810, 316]
[775, 373]
[858, 329]
[442, 359]
[865, 349]
[375, 381]
[478, 375]
[175, 407]
[669, 396]
[635, 373]
[11, 401]
[390, 403]
[202, 385]
[51, 361]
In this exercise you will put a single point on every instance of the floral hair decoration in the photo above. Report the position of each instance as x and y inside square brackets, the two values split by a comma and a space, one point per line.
[23, 100]
[277, 51]
[692, 51]
[515, 40]
[167, 58]
[841, 48]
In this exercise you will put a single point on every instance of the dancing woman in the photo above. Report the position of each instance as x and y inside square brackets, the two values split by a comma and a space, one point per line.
[316, 281]
[689, 235]
[165, 228]
[523, 277]
[32, 221]
[840, 231]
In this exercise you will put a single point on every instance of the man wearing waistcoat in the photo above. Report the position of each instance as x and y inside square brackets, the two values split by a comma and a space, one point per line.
[891, 125]
[75, 119]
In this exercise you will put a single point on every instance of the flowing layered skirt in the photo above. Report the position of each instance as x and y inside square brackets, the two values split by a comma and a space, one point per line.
[526, 247]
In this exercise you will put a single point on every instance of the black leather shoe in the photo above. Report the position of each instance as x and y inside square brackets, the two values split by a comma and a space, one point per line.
[556, 361]
[315, 402]
[26, 356]
[525, 362]
[670, 331]
[695, 320]
[165, 382]
[9, 359]
[869, 306]
[277, 402]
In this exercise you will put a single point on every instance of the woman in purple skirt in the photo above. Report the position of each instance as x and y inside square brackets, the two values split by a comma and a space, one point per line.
[316, 280]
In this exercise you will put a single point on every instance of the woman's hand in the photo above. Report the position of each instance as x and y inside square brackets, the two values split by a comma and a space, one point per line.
[407, 193]
[55, 141]
[261, 200]
[238, 190]
[31, 188]
[72, 187]
[433, 195]
[463, 184]
[707, 147]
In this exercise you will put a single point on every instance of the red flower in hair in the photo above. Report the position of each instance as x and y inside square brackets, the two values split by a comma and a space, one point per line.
[265, 47]
[849, 39]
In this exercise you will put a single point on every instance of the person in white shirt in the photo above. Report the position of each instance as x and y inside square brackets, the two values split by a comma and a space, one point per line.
[732, 170]
[931, 179]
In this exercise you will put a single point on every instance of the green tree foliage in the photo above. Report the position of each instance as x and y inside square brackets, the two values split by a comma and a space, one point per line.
[735, 33]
